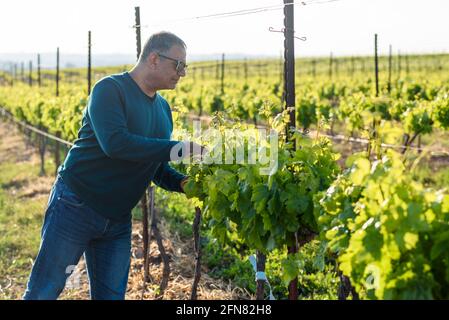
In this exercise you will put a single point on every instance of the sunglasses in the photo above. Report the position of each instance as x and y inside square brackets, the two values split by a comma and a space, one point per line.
[180, 65]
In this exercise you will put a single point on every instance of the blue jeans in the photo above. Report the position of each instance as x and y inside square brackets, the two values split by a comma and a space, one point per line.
[70, 229]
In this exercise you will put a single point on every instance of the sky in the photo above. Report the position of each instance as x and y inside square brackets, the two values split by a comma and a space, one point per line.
[344, 27]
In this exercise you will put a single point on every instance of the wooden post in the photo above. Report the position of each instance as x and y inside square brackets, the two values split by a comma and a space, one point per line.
[336, 67]
[246, 70]
[148, 194]
[407, 66]
[11, 70]
[330, 65]
[376, 65]
[42, 146]
[222, 72]
[145, 234]
[22, 72]
[289, 89]
[89, 62]
[30, 75]
[39, 70]
[217, 70]
[15, 72]
[314, 68]
[390, 61]
[165, 258]
[57, 144]
[57, 72]
[197, 248]
[137, 26]
[260, 263]
[57, 154]
[376, 70]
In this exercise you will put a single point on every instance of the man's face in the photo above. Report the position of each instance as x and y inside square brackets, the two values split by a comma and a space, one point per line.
[168, 76]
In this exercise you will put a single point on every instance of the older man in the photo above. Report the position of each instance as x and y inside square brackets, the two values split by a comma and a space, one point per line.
[123, 144]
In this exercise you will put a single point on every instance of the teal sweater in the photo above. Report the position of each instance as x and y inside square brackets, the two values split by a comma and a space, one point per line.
[123, 144]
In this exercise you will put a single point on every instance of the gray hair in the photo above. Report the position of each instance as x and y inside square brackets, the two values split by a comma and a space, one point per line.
[160, 42]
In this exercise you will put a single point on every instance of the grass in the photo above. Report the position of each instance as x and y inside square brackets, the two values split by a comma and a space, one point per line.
[20, 223]
[177, 211]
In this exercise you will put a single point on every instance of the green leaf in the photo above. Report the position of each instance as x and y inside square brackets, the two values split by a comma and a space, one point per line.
[260, 197]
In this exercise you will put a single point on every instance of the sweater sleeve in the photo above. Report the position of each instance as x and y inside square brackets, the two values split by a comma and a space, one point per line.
[168, 178]
[108, 120]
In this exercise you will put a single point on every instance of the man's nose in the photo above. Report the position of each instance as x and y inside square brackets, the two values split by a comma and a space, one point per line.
[182, 73]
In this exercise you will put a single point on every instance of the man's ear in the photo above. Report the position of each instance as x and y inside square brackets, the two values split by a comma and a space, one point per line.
[153, 59]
